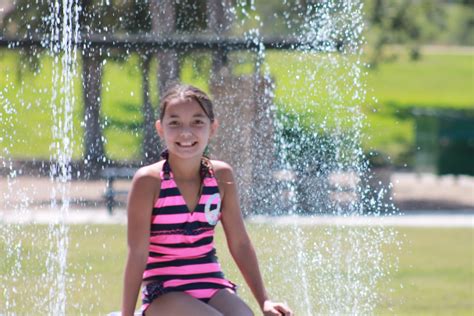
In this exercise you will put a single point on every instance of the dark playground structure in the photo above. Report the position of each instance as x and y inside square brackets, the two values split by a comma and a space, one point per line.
[164, 42]
[444, 142]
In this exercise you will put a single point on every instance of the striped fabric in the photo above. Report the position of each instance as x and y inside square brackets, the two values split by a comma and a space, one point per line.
[182, 256]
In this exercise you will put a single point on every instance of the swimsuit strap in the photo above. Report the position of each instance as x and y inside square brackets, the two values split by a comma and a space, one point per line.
[205, 170]
[165, 172]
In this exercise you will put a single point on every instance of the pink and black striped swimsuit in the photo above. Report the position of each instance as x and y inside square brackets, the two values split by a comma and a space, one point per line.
[182, 256]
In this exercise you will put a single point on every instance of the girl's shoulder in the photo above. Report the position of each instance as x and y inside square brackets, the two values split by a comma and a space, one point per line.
[222, 170]
[220, 165]
[149, 173]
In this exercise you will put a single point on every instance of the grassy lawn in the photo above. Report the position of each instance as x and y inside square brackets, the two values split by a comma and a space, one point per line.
[441, 79]
[435, 273]
[438, 79]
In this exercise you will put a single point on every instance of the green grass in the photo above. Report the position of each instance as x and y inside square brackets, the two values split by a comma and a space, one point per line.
[435, 273]
[441, 79]
[436, 80]
[26, 115]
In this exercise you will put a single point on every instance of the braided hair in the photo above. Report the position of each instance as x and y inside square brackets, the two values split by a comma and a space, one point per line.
[205, 170]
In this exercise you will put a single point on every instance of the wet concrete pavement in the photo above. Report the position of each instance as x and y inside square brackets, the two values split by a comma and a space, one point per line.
[425, 200]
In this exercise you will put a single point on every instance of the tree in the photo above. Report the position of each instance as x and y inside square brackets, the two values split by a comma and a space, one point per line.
[26, 20]
[402, 22]
[123, 17]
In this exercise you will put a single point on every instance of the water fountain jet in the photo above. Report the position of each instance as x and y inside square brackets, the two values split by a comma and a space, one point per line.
[309, 148]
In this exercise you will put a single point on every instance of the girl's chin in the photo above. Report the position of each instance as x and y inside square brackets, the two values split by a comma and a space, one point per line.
[186, 152]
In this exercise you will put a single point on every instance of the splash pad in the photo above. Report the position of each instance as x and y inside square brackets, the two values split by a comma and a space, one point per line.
[302, 142]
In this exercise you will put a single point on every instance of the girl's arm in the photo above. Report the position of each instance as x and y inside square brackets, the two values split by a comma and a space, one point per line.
[140, 205]
[240, 245]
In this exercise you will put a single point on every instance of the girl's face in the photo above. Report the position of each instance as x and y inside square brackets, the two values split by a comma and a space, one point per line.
[185, 128]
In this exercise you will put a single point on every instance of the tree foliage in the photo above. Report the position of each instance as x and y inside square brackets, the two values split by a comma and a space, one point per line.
[403, 22]
[27, 20]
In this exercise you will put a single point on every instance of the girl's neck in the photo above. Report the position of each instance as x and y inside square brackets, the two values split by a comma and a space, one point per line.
[184, 168]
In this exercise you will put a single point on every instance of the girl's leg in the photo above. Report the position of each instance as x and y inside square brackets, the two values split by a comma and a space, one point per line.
[229, 304]
[179, 303]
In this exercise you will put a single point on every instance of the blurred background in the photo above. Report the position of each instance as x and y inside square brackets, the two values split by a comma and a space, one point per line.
[407, 119]
[418, 76]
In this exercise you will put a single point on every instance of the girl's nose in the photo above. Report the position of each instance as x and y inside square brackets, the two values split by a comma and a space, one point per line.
[186, 131]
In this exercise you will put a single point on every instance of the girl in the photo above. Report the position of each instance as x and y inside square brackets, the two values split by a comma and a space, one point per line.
[173, 208]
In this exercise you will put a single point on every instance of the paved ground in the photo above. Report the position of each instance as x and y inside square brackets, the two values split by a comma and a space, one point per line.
[100, 216]
[413, 220]
[443, 201]
[431, 192]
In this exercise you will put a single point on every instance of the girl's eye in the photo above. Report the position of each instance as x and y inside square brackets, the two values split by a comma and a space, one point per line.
[198, 122]
[173, 123]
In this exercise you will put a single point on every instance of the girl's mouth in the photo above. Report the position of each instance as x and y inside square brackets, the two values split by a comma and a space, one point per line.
[186, 144]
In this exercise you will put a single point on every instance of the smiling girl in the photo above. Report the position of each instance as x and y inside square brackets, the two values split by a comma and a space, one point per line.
[173, 208]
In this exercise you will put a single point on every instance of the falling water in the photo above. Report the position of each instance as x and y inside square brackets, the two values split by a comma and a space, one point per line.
[64, 34]
[318, 146]
[336, 275]
[45, 293]
[8, 116]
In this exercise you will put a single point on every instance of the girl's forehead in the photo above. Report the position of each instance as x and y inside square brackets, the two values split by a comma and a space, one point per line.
[183, 105]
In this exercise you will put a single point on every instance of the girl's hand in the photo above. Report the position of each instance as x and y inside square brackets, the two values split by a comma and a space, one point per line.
[276, 309]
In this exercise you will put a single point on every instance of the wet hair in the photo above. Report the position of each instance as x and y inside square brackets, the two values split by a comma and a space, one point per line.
[187, 92]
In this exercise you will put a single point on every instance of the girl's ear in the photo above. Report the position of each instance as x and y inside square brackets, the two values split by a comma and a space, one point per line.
[159, 128]
[214, 126]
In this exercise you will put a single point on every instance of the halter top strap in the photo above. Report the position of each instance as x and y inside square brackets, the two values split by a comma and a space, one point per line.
[206, 170]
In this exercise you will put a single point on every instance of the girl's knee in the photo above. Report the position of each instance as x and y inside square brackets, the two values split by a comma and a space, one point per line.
[230, 304]
[179, 303]
[246, 311]
[243, 310]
